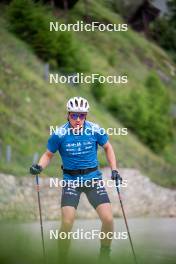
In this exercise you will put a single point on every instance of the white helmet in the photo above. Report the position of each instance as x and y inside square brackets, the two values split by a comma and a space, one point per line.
[77, 104]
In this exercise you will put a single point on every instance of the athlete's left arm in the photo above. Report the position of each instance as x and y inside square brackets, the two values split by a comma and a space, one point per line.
[110, 155]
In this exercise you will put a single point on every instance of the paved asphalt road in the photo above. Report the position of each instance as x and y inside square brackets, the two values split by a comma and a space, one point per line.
[153, 238]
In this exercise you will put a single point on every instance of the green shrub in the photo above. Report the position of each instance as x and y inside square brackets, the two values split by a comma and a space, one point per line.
[113, 106]
[98, 90]
[164, 29]
[146, 112]
[160, 127]
[30, 21]
[69, 54]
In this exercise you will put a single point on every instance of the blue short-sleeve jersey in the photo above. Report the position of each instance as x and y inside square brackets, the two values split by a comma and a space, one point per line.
[78, 150]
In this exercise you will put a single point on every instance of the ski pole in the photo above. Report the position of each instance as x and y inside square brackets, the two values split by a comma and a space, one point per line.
[40, 214]
[120, 199]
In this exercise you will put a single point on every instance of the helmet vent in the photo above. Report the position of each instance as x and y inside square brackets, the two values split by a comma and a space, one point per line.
[76, 102]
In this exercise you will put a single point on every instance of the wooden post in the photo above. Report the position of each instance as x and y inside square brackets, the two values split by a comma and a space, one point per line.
[8, 153]
[65, 2]
[46, 71]
[0, 150]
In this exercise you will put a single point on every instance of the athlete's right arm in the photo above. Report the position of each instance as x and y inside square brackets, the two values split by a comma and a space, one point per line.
[45, 159]
[52, 147]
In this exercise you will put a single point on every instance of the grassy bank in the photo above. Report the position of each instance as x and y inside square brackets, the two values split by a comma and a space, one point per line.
[29, 105]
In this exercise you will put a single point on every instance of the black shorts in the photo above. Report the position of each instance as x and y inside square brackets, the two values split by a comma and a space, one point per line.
[96, 195]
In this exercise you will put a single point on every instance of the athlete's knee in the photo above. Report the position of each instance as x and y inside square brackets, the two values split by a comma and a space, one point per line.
[107, 220]
[68, 217]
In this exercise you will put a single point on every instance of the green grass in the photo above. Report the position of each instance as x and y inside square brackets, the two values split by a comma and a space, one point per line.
[21, 245]
[29, 105]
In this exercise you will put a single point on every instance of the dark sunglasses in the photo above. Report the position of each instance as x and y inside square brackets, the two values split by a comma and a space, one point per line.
[76, 115]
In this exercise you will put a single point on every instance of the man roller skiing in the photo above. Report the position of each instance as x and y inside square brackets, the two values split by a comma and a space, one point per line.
[77, 143]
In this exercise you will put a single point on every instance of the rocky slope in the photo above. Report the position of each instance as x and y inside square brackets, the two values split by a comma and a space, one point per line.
[141, 197]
